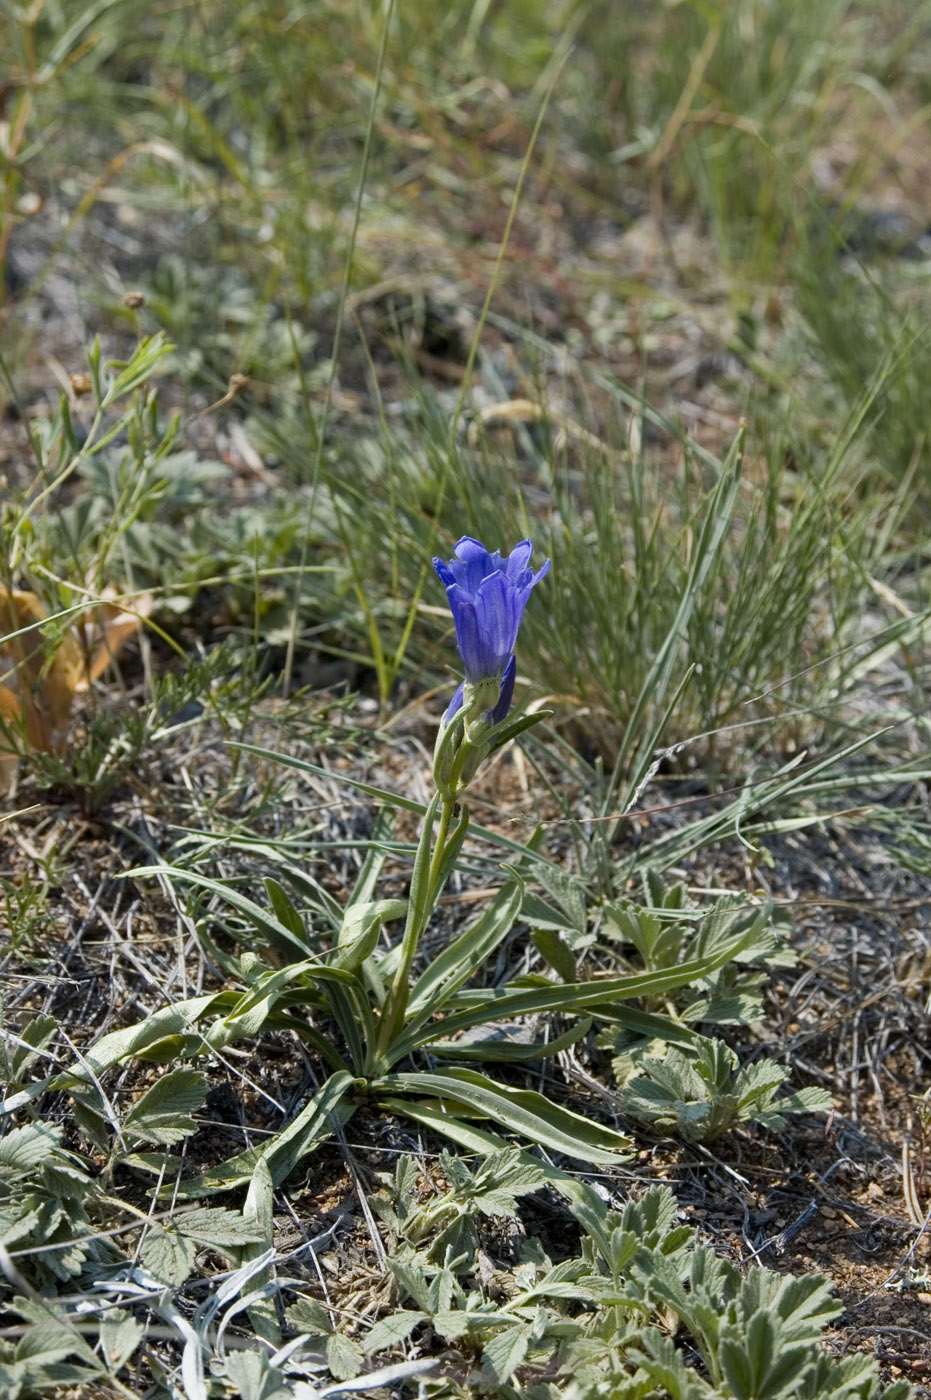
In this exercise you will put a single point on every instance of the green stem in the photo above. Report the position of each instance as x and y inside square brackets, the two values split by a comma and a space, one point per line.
[445, 818]
[428, 864]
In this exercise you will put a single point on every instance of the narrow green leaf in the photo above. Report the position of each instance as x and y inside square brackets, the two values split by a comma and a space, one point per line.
[557, 953]
[259, 1206]
[250, 1010]
[516, 727]
[68, 41]
[137, 369]
[652, 1026]
[502, 1003]
[375, 856]
[285, 911]
[282, 1153]
[587, 1206]
[279, 935]
[361, 929]
[520, 1110]
[655, 689]
[140, 1039]
[452, 849]
[466, 1135]
[504, 1051]
[36, 1034]
[461, 958]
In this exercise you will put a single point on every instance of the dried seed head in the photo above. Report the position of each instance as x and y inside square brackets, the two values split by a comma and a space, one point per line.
[134, 300]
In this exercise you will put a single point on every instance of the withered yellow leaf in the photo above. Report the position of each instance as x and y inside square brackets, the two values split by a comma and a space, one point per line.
[42, 680]
[118, 626]
[40, 676]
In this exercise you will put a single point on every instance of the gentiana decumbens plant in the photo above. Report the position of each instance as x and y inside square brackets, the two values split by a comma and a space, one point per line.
[387, 1028]
[599, 1325]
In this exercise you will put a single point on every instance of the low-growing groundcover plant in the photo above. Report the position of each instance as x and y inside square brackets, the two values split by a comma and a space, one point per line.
[641, 1310]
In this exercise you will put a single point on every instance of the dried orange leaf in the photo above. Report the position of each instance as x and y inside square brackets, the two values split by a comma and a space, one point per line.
[118, 626]
[43, 684]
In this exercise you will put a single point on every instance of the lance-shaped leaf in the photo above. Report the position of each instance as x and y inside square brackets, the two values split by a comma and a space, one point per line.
[361, 929]
[278, 934]
[501, 1049]
[316, 1121]
[143, 1040]
[503, 1003]
[460, 959]
[520, 1110]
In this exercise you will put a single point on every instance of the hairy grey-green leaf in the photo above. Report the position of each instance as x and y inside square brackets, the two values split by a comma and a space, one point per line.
[308, 1315]
[168, 1255]
[253, 1378]
[344, 1356]
[452, 1324]
[218, 1227]
[120, 1334]
[390, 1331]
[21, 1149]
[504, 1353]
[413, 1282]
[666, 1368]
[164, 1112]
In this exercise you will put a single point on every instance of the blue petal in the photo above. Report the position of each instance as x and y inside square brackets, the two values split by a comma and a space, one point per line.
[505, 694]
[468, 634]
[519, 559]
[499, 613]
[445, 572]
[455, 705]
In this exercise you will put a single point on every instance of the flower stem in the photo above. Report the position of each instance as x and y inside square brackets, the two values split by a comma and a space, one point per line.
[425, 889]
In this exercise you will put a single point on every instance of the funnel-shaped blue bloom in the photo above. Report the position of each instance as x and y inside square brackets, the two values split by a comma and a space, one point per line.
[487, 596]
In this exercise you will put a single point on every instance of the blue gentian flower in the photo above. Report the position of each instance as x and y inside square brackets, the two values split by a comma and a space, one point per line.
[487, 596]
